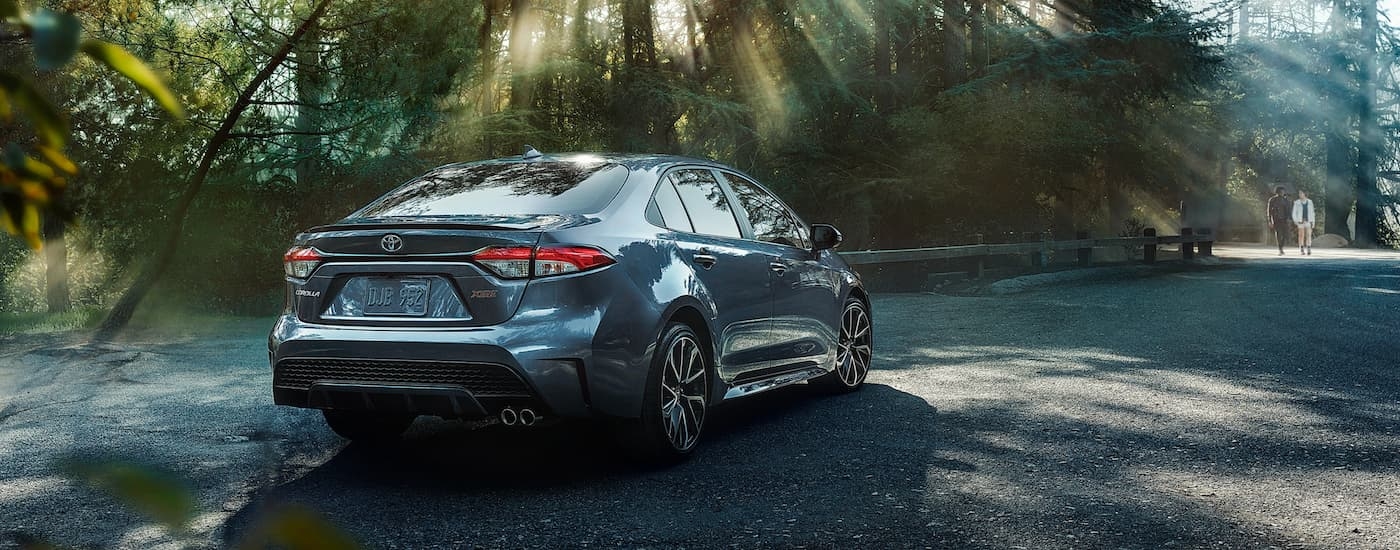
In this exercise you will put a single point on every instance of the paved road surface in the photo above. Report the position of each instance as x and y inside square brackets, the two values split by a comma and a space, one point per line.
[1252, 404]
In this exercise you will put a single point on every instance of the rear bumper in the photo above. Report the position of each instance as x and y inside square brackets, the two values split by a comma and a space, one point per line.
[438, 388]
[453, 373]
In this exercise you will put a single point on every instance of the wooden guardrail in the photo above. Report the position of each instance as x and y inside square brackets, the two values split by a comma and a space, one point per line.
[1190, 240]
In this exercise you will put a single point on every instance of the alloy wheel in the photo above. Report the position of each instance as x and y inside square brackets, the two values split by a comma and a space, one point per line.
[853, 349]
[683, 388]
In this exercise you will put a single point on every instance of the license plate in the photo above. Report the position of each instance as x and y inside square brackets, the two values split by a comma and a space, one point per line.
[399, 297]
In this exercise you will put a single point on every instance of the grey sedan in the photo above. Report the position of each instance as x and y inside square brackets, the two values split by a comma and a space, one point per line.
[639, 289]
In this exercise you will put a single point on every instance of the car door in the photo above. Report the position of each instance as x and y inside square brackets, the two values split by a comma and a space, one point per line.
[806, 294]
[734, 278]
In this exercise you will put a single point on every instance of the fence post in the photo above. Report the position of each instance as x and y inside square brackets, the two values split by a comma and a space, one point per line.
[1149, 250]
[1085, 253]
[1205, 246]
[1188, 246]
[981, 268]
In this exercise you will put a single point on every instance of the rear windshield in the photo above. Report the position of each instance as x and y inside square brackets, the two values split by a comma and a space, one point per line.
[584, 187]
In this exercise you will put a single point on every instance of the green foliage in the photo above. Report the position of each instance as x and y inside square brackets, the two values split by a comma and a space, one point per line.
[1083, 119]
[41, 323]
[30, 188]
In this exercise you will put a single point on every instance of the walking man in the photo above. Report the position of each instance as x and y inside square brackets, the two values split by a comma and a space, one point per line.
[1279, 215]
[1304, 217]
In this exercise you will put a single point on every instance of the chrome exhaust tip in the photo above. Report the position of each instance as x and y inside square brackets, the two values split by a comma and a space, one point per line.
[509, 416]
[528, 417]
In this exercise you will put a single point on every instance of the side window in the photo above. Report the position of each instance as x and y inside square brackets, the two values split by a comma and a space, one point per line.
[705, 203]
[668, 205]
[771, 220]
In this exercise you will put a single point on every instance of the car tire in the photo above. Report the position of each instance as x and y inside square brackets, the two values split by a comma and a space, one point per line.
[676, 403]
[853, 350]
[366, 427]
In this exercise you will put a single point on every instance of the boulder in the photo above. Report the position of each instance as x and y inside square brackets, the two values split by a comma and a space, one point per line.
[1330, 240]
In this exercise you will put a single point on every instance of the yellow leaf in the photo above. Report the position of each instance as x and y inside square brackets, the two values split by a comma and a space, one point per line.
[58, 160]
[30, 227]
[135, 70]
[6, 114]
[34, 191]
[7, 222]
[32, 167]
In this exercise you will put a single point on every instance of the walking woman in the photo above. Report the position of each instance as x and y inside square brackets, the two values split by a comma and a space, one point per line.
[1277, 214]
[1304, 217]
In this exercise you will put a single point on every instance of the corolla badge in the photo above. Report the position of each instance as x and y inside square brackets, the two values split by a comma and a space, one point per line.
[391, 243]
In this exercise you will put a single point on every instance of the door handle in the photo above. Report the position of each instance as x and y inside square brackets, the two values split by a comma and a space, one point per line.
[778, 268]
[705, 260]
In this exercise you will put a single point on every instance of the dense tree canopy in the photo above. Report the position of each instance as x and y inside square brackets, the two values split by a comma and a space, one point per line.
[905, 122]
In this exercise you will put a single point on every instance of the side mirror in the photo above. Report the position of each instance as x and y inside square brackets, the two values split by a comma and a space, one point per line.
[824, 237]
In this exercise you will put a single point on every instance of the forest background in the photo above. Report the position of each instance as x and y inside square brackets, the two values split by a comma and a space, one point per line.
[904, 122]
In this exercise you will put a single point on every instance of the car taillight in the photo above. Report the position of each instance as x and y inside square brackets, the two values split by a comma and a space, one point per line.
[509, 262]
[519, 262]
[300, 261]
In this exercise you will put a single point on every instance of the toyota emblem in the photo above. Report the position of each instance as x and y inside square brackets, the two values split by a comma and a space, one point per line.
[391, 243]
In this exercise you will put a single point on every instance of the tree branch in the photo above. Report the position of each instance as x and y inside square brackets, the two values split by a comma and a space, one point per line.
[126, 305]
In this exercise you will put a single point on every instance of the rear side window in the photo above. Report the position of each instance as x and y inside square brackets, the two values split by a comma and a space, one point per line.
[563, 187]
[668, 204]
[705, 203]
[771, 221]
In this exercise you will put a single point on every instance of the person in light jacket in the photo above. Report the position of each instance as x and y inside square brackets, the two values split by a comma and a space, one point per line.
[1304, 217]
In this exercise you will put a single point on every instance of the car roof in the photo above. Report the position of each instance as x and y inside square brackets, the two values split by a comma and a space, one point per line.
[631, 161]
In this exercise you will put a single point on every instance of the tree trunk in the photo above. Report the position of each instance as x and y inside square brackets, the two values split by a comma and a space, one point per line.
[746, 144]
[1064, 215]
[522, 29]
[486, 44]
[165, 252]
[909, 77]
[1368, 151]
[643, 119]
[882, 29]
[55, 264]
[954, 43]
[310, 83]
[1066, 11]
[694, 63]
[1244, 20]
[582, 34]
[977, 35]
[1339, 192]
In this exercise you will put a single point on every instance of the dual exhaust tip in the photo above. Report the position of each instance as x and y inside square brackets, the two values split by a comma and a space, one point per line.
[523, 417]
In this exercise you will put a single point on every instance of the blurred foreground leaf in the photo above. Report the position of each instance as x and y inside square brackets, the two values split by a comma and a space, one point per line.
[295, 528]
[55, 35]
[48, 123]
[135, 70]
[154, 494]
[58, 160]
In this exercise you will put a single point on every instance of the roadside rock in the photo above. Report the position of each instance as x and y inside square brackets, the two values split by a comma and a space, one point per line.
[1330, 240]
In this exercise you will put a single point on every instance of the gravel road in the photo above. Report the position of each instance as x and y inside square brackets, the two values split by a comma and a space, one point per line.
[1251, 404]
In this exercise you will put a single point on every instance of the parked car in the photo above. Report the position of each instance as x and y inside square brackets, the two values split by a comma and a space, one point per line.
[643, 289]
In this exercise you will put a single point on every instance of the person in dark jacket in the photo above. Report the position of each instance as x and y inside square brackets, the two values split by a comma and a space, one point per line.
[1280, 215]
